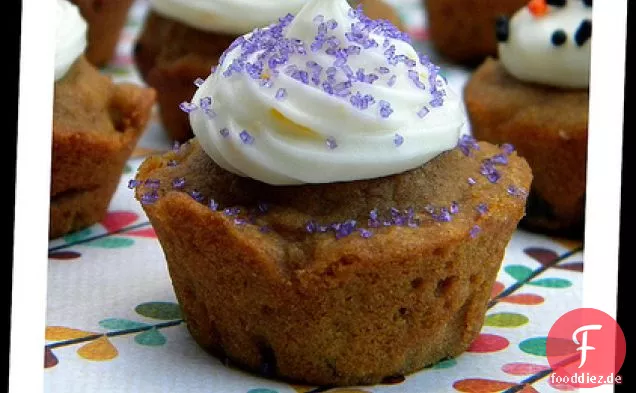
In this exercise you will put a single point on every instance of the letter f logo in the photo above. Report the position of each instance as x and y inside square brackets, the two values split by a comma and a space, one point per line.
[584, 347]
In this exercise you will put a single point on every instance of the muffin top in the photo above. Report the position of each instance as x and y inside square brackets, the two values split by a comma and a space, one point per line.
[548, 42]
[226, 16]
[70, 37]
[328, 95]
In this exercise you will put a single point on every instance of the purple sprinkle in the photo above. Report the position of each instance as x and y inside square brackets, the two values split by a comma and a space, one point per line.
[331, 143]
[499, 159]
[246, 137]
[332, 24]
[466, 143]
[398, 140]
[132, 183]
[231, 211]
[385, 109]
[429, 209]
[365, 233]
[311, 227]
[454, 207]
[281, 94]
[345, 229]
[197, 196]
[205, 102]
[392, 80]
[443, 216]
[515, 191]
[213, 205]
[474, 231]
[493, 176]
[436, 102]
[507, 148]
[176, 146]
[471, 181]
[224, 132]
[178, 183]
[149, 197]
[423, 112]
[240, 221]
[199, 81]
[187, 107]
[482, 208]
[383, 70]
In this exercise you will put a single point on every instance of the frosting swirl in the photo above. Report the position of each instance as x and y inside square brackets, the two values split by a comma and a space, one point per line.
[329, 95]
[70, 37]
[548, 42]
[226, 16]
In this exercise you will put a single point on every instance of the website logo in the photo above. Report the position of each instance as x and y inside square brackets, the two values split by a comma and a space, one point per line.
[585, 348]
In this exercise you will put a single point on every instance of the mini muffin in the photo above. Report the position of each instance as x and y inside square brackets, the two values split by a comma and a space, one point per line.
[96, 125]
[327, 224]
[178, 44]
[106, 19]
[536, 97]
[462, 31]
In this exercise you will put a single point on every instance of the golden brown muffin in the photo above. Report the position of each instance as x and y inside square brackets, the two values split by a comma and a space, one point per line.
[342, 283]
[464, 30]
[548, 126]
[96, 125]
[106, 19]
[171, 55]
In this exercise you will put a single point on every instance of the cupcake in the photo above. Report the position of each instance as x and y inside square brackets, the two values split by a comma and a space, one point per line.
[327, 224]
[462, 31]
[96, 125]
[105, 19]
[182, 40]
[536, 97]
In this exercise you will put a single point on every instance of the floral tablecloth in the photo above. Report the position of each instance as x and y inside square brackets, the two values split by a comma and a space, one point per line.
[113, 324]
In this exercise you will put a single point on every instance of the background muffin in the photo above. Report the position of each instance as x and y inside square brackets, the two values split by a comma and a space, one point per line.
[106, 19]
[536, 97]
[462, 30]
[96, 125]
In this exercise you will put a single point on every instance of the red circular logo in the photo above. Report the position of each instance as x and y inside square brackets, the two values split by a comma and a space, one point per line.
[585, 349]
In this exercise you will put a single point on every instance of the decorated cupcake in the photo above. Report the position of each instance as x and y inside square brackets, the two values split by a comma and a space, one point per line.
[327, 224]
[96, 125]
[461, 30]
[182, 40]
[105, 19]
[536, 97]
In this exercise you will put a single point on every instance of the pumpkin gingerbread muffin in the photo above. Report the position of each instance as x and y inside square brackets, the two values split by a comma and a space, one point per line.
[536, 97]
[327, 224]
[96, 125]
[177, 45]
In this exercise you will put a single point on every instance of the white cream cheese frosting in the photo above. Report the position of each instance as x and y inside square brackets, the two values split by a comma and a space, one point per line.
[70, 37]
[327, 96]
[548, 42]
[226, 16]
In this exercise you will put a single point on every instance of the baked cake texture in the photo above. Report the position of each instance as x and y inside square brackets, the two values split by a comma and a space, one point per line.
[342, 283]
